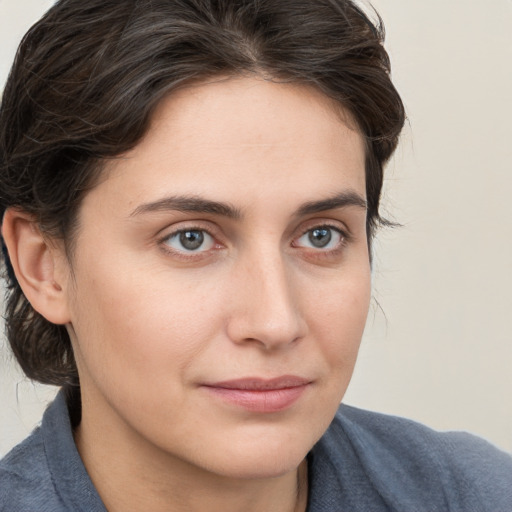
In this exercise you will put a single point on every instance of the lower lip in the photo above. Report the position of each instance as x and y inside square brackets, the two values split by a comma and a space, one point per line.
[263, 401]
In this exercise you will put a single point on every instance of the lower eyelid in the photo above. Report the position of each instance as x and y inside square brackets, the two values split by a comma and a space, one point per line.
[214, 243]
[343, 236]
[172, 236]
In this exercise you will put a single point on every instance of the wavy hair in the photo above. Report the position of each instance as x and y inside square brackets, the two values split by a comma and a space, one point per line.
[88, 76]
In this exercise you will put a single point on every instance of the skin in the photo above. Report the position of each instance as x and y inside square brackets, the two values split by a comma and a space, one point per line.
[151, 322]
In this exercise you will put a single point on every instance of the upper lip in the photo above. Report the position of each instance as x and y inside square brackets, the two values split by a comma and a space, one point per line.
[261, 384]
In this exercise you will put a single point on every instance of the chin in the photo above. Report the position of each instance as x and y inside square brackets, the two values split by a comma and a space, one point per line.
[270, 456]
[260, 466]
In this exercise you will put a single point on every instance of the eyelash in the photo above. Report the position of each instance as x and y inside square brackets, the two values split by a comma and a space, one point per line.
[184, 254]
[344, 239]
[192, 255]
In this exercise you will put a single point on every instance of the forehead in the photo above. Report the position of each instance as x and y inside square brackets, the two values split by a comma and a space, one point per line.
[251, 137]
[249, 112]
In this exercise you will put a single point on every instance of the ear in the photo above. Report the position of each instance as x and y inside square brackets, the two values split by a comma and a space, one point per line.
[40, 266]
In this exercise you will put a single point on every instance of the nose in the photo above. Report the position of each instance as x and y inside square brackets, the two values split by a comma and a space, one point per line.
[264, 305]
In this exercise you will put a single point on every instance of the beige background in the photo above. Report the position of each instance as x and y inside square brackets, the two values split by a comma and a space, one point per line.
[442, 354]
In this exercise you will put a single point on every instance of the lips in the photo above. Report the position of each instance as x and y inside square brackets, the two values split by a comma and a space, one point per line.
[260, 395]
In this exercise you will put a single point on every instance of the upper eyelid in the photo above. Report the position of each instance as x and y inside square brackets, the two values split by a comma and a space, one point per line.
[323, 225]
[175, 234]
[344, 238]
[217, 233]
[169, 231]
[172, 234]
[343, 229]
[184, 254]
[163, 239]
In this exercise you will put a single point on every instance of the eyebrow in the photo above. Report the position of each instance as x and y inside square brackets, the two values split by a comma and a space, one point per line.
[342, 200]
[188, 204]
[196, 204]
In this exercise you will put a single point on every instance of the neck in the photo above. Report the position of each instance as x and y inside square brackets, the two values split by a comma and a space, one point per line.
[131, 475]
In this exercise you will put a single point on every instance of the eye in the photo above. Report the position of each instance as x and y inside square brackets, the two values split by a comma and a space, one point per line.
[190, 240]
[321, 237]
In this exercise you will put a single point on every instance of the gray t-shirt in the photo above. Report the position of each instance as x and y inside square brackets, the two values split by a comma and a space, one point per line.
[365, 462]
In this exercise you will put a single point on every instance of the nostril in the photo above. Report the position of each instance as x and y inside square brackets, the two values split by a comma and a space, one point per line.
[255, 327]
[265, 308]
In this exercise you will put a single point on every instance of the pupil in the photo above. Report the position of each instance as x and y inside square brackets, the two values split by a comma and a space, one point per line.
[320, 237]
[191, 240]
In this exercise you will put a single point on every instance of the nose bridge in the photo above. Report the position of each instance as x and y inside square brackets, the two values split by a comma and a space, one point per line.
[268, 311]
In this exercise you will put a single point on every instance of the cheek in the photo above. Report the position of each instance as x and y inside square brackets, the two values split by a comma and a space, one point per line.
[136, 331]
[339, 316]
[336, 319]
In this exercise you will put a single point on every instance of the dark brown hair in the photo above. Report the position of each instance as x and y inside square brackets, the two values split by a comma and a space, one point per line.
[89, 74]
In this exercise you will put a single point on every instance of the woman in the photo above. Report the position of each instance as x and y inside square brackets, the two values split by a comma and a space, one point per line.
[189, 194]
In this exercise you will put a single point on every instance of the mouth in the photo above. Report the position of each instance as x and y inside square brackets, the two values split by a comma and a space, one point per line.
[260, 395]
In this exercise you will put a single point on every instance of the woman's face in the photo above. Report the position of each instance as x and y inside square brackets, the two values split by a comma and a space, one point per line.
[220, 281]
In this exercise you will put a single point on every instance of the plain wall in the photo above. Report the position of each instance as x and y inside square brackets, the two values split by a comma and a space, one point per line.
[441, 352]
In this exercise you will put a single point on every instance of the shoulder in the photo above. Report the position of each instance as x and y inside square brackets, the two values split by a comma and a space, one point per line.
[25, 479]
[414, 443]
[407, 462]
[45, 472]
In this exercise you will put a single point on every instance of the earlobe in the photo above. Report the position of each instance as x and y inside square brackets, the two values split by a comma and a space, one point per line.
[37, 265]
